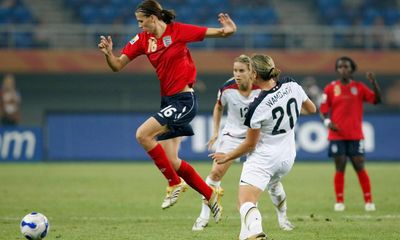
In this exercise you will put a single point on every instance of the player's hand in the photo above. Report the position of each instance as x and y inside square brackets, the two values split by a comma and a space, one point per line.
[371, 77]
[212, 140]
[228, 25]
[106, 45]
[332, 126]
[219, 158]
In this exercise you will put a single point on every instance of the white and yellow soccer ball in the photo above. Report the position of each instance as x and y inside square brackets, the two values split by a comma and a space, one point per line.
[34, 226]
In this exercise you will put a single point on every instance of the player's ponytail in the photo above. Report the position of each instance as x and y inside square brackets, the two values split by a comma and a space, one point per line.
[168, 15]
[152, 7]
[265, 67]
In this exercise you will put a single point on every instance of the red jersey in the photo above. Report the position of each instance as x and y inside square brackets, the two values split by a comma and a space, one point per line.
[169, 55]
[344, 102]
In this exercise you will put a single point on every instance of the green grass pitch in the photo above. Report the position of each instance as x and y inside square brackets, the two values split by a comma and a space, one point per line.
[122, 201]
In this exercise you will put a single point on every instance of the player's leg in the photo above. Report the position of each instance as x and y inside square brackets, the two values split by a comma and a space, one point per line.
[278, 197]
[250, 216]
[184, 169]
[188, 173]
[145, 135]
[253, 181]
[225, 144]
[213, 180]
[357, 160]
[337, 150]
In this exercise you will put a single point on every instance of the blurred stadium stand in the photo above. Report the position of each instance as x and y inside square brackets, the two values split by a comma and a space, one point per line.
[51, 48]
[43, 31]
[288, 24]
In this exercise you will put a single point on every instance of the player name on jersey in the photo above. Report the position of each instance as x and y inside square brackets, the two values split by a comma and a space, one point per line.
[278, 95]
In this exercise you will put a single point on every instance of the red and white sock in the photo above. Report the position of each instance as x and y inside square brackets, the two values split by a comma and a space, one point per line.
[194, 180]
[161, 160]
[365, 183]
[339, 186]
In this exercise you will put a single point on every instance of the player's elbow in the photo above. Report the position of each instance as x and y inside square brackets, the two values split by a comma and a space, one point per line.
[309, 107]
[115, 68]
[313, 109]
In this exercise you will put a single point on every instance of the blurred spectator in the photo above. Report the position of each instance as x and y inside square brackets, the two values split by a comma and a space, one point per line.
[41, 36]
[8, 4]
[312, 90]
[10, 102]
[393, 94]
[377, 33]
[396, 35]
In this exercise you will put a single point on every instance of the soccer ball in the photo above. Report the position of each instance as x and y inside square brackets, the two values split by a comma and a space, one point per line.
[34, 226]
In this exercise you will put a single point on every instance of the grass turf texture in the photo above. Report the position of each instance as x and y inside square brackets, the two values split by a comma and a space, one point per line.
[122, 201]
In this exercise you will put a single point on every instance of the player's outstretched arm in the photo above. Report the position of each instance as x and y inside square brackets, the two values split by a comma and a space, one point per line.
[116, 63]
[248, 145]
[217, 115]
[375, 87]
[228, 27]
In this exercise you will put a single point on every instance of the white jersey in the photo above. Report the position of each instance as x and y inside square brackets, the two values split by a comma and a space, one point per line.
[275, 112]
[238, 106]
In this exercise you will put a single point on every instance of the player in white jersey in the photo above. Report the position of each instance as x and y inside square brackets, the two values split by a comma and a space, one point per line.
[235, 96]
[270, 143]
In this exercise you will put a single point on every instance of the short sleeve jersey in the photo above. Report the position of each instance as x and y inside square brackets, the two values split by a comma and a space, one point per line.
[344, 103]
[275, 112]
[237, 106]
[169, 55]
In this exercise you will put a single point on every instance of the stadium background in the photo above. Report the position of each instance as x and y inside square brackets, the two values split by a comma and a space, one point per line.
[75, 108]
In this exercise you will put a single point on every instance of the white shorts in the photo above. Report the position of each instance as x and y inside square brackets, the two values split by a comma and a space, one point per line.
[263, 174]
[227, 143]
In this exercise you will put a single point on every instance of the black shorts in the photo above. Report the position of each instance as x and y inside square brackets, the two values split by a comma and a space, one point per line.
[348, 148]
[177, 111]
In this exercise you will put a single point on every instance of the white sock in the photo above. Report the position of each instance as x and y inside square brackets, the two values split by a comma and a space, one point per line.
[212, 183]
[278, 197]
[205, 210]
[251, 220]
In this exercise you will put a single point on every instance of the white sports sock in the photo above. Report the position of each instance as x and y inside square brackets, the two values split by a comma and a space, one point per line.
[212, 183]
[205, 210]
[251, 220]
[278, 197]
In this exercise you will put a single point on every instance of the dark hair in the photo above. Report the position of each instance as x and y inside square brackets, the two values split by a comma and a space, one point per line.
[152, 7]
[345, 58]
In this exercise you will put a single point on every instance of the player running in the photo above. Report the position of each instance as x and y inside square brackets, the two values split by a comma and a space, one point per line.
[342, 112]
[270, 142]
[164, 42]
[235, 95]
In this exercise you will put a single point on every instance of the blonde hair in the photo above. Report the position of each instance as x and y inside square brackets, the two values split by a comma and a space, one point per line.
[245, 60]
[264, 66]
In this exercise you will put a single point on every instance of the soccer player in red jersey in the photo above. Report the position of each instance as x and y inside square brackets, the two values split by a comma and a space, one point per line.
[164, 41]
[342, 112]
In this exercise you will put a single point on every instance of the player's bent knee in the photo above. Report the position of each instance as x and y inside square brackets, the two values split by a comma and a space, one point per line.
[144, 139]
[140, 137]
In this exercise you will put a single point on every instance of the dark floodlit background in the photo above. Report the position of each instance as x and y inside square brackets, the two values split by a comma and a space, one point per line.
[74, 108]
